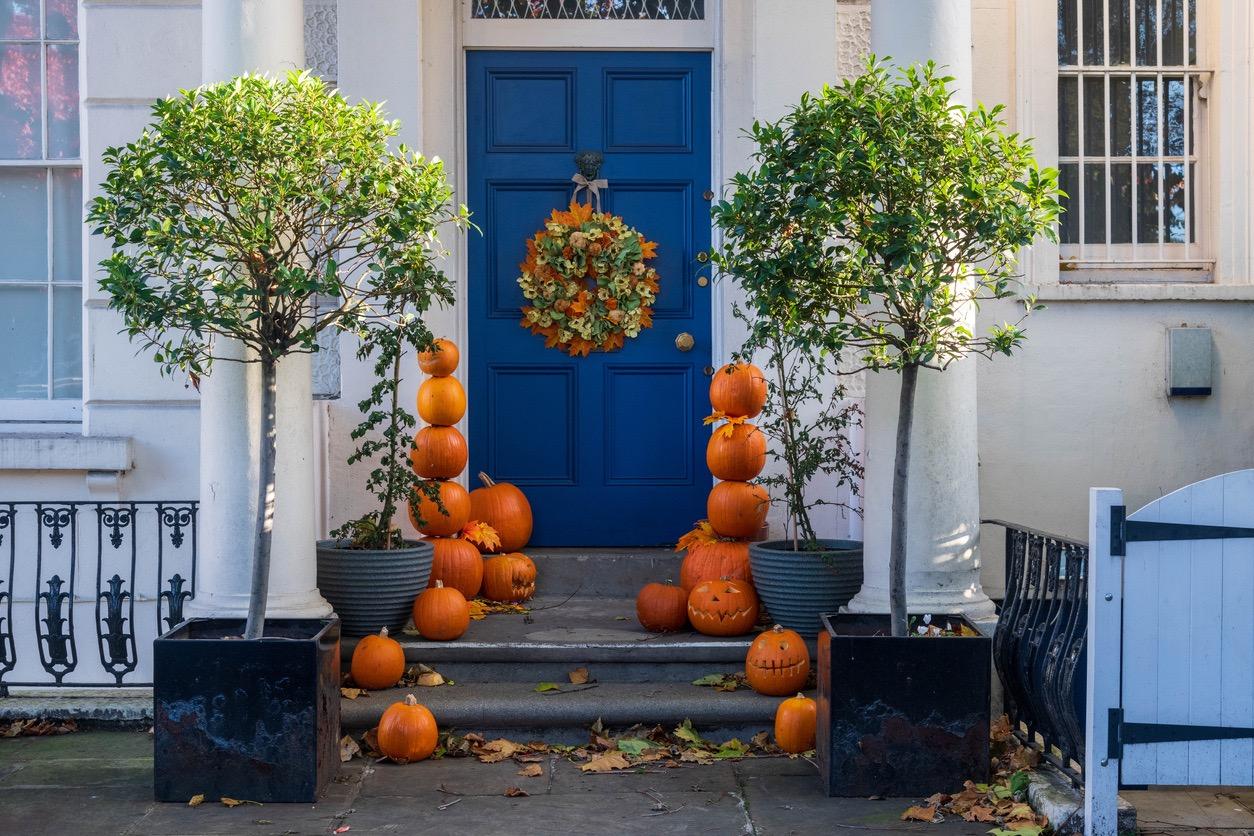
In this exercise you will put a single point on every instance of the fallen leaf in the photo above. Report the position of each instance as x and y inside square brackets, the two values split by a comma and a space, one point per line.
[731, 749]
[545, 687]
[515, 792]
[497, 751]
[980, 813]
[531, 770]
[430, 679]
[352, 693]
[236, 802]
[688, 734]
[348, 749]
[343, 828]
[579, 676]
[633, 746]
[924, 814]
[607, 762]
[196, 800]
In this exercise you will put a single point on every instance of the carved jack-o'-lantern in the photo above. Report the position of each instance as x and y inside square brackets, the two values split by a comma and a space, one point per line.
[509, 577]
[726, 607]
[778, 662]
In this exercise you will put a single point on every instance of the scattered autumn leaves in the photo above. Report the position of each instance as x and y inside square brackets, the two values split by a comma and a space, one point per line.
[33, 727]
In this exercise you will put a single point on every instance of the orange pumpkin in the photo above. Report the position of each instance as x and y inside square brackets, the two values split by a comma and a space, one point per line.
[407, 731]
[441, 613]
[378, 662]
[778, 662]
[662, 608]
[441, 401]
[725, 607]
[711, 561]
[430, 520]
[439, 453]
[504, 507]
[737, 509]
[738, 390]
[457, 565]
[441, 361]
[509, 577]
[796, 719]
[737, 457]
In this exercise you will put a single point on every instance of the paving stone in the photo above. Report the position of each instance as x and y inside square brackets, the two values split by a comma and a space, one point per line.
[61, 812]
[712, 778]
[213, 818]
[465, 776]
[81, 772]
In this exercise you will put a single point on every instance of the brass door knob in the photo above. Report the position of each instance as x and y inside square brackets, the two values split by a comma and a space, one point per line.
[684, 341]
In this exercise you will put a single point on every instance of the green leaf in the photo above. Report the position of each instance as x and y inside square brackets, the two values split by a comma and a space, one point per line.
[634, 746]
[545, 687]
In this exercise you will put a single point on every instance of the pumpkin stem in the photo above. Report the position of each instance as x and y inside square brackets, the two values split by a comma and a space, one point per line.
[777, 629]
[439, 584]
[383, 632]
[486, 479]
[410, 699]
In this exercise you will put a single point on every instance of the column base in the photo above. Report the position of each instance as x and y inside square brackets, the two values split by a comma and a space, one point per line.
[971, 602]
[235, 605]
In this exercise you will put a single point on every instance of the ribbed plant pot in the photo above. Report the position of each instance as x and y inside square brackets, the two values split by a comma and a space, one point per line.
[798, 586]
[371, 589]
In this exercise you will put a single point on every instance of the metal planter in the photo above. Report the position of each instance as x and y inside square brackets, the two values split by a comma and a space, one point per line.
[372, 589]
[256, 719]
[901, 717]
[799, 586]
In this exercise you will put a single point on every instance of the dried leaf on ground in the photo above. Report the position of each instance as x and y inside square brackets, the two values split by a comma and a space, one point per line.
[430, 679]
[607, 762]
[481, 609]
[497, 750]
[424, 677]
[348, 749]
[236, 802]
[531, 770]
[917, 813]
[579, 676]
[196, 800]
[34, 727]
[370, 743]
[722, 681]
[515, 792]
[731, 749]
[352, 693]
[634, 746]
[685, 732]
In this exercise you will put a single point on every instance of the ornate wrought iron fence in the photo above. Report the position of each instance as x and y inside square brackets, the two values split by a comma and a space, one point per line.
[127, 567]
[1039, 646]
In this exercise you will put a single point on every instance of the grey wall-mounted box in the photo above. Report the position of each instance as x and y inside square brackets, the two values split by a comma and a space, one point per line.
[1189, 362]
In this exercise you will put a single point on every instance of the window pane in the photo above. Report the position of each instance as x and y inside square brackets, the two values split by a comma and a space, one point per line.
[1120, 203]
[1095, 203]
[24, 342]
[1095, 116]
[67, 342]
[1068, 29]
[21, 136]
[1068, 117]
[67, 225]
[1069, 182]
[1120, 116]
[1120, 32]
[1147, 203]
[1192, 31]
[1147, 32]
[1173, 117]
[1094, 37]
[1147, 116]
[62, 101]
[62, 19]
[19, 20]
[1173, 199]
[1173, 32]
[23, 220]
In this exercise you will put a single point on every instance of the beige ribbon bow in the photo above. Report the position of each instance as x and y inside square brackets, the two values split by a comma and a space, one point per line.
[593, 188]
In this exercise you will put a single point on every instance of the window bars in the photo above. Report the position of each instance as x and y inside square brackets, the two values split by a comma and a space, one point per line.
[589, 9]
[1131, 133]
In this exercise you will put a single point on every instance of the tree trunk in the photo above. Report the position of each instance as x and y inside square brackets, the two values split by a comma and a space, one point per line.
[901, 495]
[255, 626]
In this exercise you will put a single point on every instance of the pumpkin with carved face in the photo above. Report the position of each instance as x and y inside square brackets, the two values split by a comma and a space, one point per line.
[509, 577]
[778, 663]
[726, 607]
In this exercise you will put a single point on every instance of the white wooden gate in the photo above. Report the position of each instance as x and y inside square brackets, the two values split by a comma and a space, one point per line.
[1170, 642]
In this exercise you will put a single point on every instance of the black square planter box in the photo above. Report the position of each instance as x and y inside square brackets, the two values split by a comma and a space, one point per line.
[901, 717]
[256, 720]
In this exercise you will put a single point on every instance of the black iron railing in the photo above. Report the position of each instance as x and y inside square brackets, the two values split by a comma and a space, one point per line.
[1039, 646]
[127, 567]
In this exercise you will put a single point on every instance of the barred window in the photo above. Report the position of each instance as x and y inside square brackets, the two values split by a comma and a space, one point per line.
[1130, 133]
[590, 9]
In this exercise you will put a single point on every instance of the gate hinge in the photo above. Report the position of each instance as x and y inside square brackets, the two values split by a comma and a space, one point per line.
[1124, 531]
[1120, 733]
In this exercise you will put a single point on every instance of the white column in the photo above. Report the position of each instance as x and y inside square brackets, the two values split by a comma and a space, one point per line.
[943, 511]
[240, 36]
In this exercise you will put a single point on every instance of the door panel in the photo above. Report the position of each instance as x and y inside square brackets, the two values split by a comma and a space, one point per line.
[608, 448]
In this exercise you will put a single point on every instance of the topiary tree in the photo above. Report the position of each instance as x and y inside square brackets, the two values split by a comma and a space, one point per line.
[240, 211]
[876, 218]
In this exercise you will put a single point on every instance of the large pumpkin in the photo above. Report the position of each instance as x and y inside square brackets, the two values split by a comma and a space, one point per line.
[725, 607]
[441, 401]
[509, 577]
[738, 390]
[438, 453]
[504, 507]
[436, 523]
[441, 613]
[407, 731]
[441, 361]
[778, 662]
[711, 561]
[662, 608]
[737, 509]
[796, 719]
[457, 565]
[736, 452]
[378, 662]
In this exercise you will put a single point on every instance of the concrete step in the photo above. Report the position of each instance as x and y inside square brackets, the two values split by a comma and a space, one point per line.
[613, 573]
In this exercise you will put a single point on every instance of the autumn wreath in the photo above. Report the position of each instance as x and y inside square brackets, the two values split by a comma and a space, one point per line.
[587, 282]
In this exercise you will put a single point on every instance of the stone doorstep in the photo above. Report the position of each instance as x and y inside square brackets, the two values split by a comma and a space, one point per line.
[1052, 794]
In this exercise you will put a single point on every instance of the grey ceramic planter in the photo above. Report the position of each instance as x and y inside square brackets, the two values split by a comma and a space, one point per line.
[797, 587]
[372, 589]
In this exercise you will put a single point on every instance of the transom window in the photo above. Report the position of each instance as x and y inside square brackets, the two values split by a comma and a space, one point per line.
[590, 9]
[1131, 98]
[41, 201]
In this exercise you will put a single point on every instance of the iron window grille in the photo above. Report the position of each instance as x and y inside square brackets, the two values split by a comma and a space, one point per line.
[589, 9]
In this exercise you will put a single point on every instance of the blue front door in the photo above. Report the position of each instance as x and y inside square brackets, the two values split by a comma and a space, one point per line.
[608, 448]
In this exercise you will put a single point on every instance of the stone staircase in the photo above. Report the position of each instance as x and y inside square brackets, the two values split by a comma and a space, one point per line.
[584, 616]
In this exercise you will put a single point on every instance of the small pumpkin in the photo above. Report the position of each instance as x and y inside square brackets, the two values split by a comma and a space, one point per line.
[441, 401]
[662, 608]
[711, 561]
[509, 577]
[726, 607]
[437, 523]
[407, 731]
[504, 507]
[736, 452]
[457, 565]
[738, 390]
[378, 662]
[441, 613]
[737, 509]
[441, 361]
[796, 720]
[439, 453]
[778, 662]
